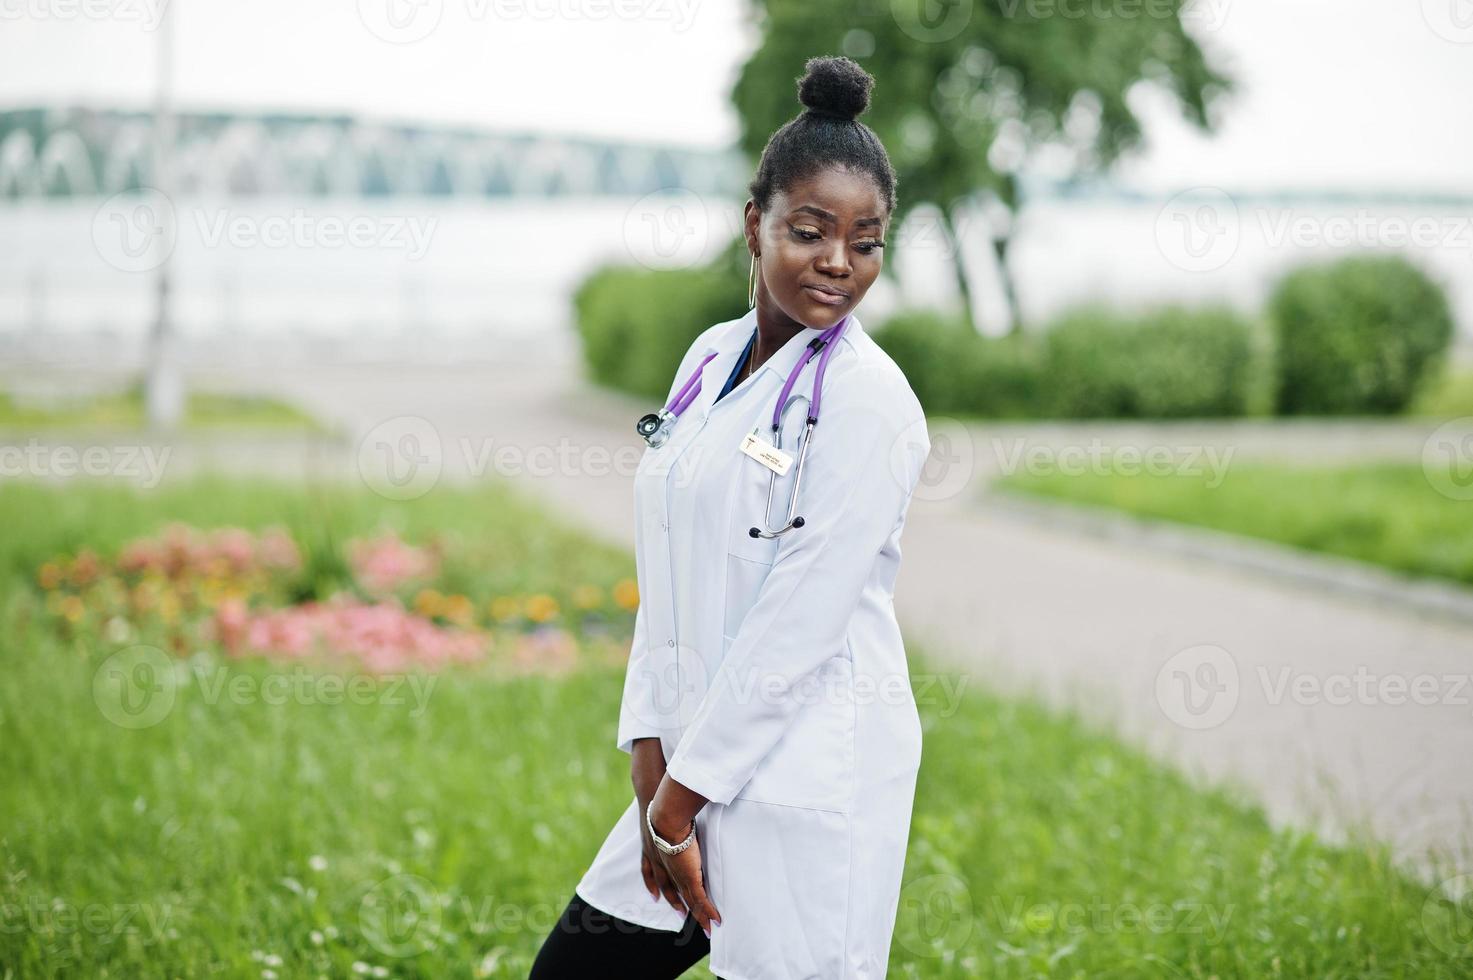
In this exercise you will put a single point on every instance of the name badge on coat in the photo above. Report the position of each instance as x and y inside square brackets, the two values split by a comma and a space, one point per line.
[766, 453]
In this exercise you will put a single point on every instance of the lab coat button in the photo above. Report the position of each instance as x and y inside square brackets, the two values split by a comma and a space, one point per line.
[669, 643]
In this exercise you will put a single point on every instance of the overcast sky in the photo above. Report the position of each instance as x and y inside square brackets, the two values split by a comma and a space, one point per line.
[1356, 94]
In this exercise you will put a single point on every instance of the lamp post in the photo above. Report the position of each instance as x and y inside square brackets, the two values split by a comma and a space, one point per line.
[163, 384]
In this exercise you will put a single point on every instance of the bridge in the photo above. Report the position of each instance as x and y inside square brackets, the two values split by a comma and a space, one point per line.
[84, 152]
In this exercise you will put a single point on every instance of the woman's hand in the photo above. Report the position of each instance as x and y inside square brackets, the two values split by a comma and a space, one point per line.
[646, 769]
[672, 800]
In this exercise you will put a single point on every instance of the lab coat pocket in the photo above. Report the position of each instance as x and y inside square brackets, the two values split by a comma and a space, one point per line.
[812, 765]
[748, 559]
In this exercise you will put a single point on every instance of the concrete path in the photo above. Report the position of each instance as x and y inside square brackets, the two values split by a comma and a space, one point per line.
[1336, 713]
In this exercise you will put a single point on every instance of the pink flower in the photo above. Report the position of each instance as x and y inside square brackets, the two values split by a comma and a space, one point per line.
[381, 637]
[383, 564]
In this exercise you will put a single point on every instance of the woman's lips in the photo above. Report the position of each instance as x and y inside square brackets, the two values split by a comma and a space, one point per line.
[827, 299]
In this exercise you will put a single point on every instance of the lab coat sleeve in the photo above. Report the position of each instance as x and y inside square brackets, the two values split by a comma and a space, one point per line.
[869, 448]
[638, 709]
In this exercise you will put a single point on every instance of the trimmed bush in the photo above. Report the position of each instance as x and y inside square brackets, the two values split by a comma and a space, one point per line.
[1169, 363]
[1356, 336]
[637, 323]
[955, 370]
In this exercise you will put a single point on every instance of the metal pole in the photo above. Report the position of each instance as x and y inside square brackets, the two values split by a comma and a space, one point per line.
[164, 388]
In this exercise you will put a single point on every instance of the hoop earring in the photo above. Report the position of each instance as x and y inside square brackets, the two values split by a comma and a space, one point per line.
[752, 283]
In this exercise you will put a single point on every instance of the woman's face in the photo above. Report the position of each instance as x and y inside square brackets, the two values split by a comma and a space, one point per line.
[819, 248]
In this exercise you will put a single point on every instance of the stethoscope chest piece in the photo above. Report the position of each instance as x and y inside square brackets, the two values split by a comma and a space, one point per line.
[655, 427]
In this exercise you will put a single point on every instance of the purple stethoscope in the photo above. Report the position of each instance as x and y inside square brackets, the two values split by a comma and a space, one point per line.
[655, 427]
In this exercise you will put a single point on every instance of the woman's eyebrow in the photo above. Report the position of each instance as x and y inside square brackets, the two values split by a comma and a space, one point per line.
[825, 215]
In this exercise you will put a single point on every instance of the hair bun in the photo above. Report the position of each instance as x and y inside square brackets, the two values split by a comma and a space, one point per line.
[835, 86]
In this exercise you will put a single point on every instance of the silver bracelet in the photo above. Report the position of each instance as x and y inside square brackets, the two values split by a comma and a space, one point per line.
[664, 845]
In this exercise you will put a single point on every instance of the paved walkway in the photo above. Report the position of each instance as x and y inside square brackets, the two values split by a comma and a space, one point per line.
[1344, 715]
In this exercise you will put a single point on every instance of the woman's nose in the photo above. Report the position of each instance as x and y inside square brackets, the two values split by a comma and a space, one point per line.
[834, 261]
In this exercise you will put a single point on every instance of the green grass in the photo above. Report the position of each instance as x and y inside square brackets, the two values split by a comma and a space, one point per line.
[235, 829]
[125, 411]
[1385, 513]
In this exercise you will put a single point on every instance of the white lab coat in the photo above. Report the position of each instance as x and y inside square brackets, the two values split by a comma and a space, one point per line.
[773, 671]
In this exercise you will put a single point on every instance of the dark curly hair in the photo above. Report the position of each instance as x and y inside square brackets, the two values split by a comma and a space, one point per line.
[827, 133]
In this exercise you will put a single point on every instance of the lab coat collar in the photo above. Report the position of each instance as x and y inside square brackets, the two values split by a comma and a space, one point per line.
[732, 341]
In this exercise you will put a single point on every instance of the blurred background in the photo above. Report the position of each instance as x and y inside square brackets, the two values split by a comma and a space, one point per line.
[322, 333]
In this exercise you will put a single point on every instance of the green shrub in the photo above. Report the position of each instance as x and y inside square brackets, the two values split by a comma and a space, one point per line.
[637, 323]
[1357, 335]
[1168, 363]
[955, 370]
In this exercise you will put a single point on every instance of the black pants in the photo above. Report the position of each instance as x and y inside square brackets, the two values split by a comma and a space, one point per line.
[587, 942]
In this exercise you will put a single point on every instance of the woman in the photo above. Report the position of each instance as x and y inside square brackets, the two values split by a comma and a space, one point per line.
[767, 708]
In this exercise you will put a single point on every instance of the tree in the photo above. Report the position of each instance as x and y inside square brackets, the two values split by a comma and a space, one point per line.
[970, 91]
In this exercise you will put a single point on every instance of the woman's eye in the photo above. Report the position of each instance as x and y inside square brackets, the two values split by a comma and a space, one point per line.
[806, 235]
[868, 246]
